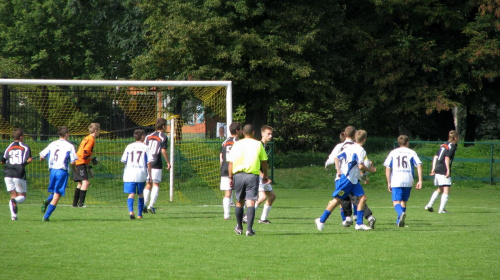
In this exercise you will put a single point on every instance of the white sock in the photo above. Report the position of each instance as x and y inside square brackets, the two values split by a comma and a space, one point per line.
[11, 209]
[226, 204]
[20, 199]
[146, 193]
[444, 199]
[265, 212]
[154, 195]
[434, 196]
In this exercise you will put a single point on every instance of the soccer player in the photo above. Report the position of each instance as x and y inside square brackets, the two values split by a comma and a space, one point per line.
[245, 161]
[441, 169]
[266, 192]
[352, 162]
[82, 168]
[138, 160]
[16, 157]
[158, 144]
[236, 133]
[59, 154]
[399, 172]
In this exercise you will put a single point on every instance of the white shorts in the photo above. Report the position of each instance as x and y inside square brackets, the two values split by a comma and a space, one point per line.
[224, 184]
[441, 180]
[156, 174]
[264, 187]
[19, 185]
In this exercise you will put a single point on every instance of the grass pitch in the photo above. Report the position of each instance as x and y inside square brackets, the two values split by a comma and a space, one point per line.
[185, 241]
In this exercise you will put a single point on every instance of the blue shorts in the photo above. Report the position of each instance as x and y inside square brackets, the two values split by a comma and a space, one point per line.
[400, 194]
[134, 187]
[343, 187]
[58, 181]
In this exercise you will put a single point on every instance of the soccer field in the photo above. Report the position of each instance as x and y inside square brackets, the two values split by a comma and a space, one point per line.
[184, 241]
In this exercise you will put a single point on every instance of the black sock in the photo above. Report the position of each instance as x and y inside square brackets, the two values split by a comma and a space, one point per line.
[76, 197]
[250, 217]
[82, 197]
[238, 213]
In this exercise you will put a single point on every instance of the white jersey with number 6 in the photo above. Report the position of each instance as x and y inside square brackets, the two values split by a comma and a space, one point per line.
[59, 154]
[136, 157]
[402, 161]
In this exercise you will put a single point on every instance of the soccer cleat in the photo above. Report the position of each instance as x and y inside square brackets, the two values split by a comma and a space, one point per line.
[264, 221]
[45, 219]
[14, 218]
[362, 227]
[372, 221]
[319, 224]
[145, 209]
[139, 217]
[401, 222]
[132, 216]
[14, 205]
[151, 210]
[347, 222]
[82, 206]
[245, 220]
[429, 208]
[250, 233]
[238, 231]
[44, 206]
[443, 211]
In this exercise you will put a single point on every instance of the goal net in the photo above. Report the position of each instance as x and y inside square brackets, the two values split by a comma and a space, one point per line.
[197, 113]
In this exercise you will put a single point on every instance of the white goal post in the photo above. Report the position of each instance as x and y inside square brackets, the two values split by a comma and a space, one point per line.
[137, 83]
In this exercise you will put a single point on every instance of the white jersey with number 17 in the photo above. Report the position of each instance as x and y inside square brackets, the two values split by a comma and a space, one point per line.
[136, 157]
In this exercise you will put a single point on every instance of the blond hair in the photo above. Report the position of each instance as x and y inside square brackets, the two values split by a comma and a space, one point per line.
[93, 127]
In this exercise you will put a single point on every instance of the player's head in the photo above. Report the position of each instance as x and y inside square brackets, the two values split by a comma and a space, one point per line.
[160, 124]
[139, 134]
[403, 140]
[17, 133]
[63, 131]
[248, 130]
[235, 129]
[453, 136]
[361, 136]
[350, 131]
[267, 133]
[342, 136]
[95, 127]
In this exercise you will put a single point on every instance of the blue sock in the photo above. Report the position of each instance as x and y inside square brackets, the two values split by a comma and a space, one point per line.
[355, 209]
[398, 209]
[360, 215]
[49, 199]
[404, 209]
[49, 211]
[140, 205]
[342, 214]
[325, 216]
[130, 203]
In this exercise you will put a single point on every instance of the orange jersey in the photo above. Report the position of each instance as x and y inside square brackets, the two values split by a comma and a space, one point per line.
[85, 150]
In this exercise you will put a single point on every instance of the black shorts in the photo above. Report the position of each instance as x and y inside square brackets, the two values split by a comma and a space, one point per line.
[81, 173]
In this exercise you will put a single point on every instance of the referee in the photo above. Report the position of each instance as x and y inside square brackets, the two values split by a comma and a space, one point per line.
[245, 161]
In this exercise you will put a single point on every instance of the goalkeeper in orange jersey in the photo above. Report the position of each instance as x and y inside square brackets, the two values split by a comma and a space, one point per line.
[82, 170]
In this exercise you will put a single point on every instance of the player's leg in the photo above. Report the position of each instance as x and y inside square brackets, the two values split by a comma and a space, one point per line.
[83, 192]
[444, 199]
[271, 197]
[155, 190]
[261, 199]
[251, 196]
[140, 199]
[130, 189]
[76, 196]
[239, 191]
[226, 200]
[11, 188]
[438, 178]
[346, 211]
[147, 195]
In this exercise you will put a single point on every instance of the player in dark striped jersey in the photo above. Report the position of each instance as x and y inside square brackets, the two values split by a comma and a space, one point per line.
[236, 132]
[16, 157]
[441, 169]
[158, 144]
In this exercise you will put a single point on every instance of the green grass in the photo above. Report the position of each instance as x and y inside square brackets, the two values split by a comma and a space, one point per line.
[186, 241]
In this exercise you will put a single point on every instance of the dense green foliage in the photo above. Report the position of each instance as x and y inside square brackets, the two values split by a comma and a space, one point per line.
[307, 68]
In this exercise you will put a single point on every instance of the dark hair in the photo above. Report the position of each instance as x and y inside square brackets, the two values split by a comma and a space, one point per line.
[403, 140]
[17, 133]
[248, 129]
[138, 133]
[342, 136]
[160, 123]
[233, 127]
[265, 127]
[62, 131]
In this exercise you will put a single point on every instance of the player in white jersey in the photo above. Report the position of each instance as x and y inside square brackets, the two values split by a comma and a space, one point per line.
[59, 154]
[352, 162]
[138, 159]
[399, 172]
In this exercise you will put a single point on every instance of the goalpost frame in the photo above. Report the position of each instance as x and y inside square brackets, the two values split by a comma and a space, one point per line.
[136, 83]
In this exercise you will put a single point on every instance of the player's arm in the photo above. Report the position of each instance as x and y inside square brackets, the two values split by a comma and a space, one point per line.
[29, 160]
[165, 156]
[418, 186]
[363, 167]
[337, 166]
[230, 172]
[150, 180]
[388, 177]
[434, 161]
[264, 168]
[447, 163]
